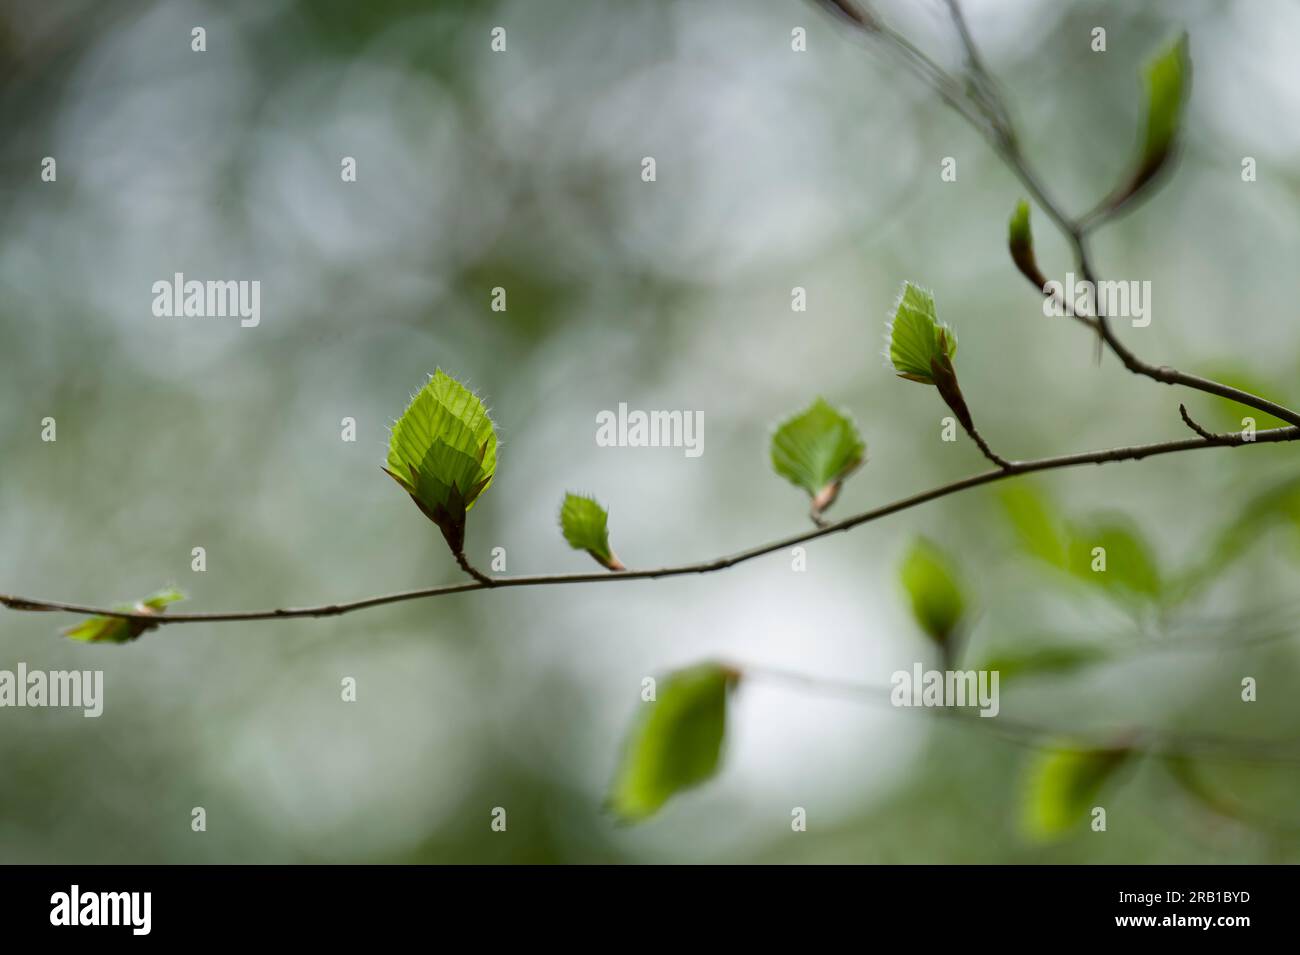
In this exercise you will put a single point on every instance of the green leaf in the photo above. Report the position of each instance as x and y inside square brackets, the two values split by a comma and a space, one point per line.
[917, 340]
[932, 585]
[583, 522]
[1278, 505]
[676, 743]
[816, 450]
[443, 452]
[1036, 526]
[1063, 787]
[1052, 659]
[118, 630]
[1130, 565]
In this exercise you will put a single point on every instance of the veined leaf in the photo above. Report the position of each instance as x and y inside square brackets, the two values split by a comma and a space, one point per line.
[119, 630]
[443, 452]
[932, 585]
[583, 522]
[676, 743]
[1063, 788]
[917, 339]
[816, 450]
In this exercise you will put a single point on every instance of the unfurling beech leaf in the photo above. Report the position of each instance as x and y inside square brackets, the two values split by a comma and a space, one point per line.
[1168, 80]
[916, 337]
[936, 595]
[816, 450]
[676, 742]
[1020, 240]
[1063, 787]
[118, 630]
[443, 452]
[921, 348]
[1109, 551]
[584, 524]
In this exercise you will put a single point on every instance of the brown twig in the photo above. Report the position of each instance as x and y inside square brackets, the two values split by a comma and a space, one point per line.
[1012, 469]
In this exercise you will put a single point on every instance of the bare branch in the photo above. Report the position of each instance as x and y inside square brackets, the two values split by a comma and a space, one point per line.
[1012, 469]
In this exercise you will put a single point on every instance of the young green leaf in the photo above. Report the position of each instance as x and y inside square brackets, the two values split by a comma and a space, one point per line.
[443, 452]
[118, 630]
[676, 743]
[917, 340]
[816, 450]
[1020, 240]
[921, 348]
[1168, 78]
[932, 585]
[583, 522]
[1063, 787]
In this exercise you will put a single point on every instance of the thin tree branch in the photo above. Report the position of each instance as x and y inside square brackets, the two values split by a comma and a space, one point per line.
[473, 571]
[1013, 469]
[1006, 144]
[1191, 423]
[983, 445]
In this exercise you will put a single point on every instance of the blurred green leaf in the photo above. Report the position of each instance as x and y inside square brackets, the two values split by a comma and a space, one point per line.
[118, 630]
[1035, 522]
[917, 339]
[1278, 505]
[816, 450]
[1055, 658]
[1129, 564]
[1167, 79]
[443, 452]
[1063, 787]
[583, 522]
[933, 588]
[676, 742]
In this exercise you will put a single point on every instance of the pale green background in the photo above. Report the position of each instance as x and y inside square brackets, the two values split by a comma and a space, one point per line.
[775, 169]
